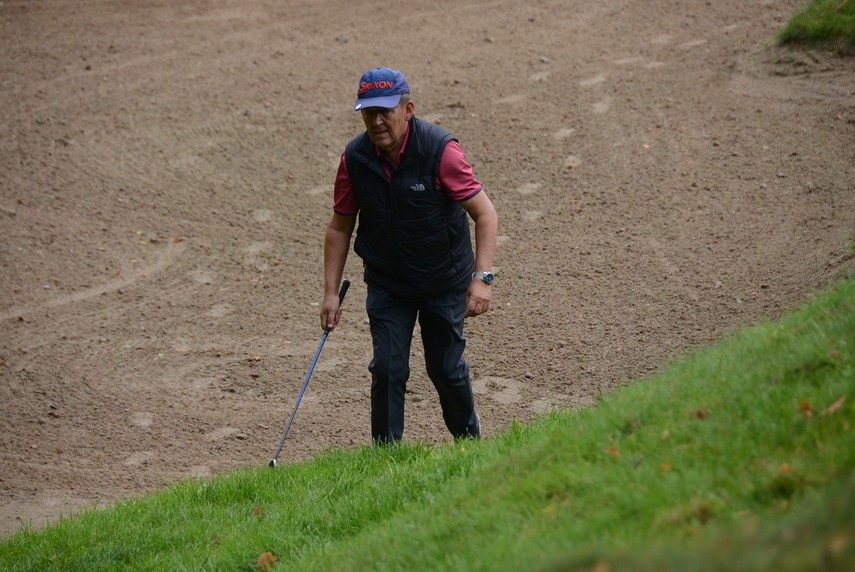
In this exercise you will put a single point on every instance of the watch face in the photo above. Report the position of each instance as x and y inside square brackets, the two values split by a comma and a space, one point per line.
[486, 277]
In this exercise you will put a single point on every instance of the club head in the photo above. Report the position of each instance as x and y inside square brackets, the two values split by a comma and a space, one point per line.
[273, 464]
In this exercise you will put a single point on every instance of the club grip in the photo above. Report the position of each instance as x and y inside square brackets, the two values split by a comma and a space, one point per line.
[344, 286]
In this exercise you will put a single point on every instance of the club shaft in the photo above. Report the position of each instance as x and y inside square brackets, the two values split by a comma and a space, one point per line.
[302, 391]
[344, 286]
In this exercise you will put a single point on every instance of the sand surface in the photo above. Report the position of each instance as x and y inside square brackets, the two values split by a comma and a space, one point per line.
[662, 173]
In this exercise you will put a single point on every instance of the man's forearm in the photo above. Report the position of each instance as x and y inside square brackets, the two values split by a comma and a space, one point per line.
[482, 211]
[486, 235]
[486, 232]
[336, 247]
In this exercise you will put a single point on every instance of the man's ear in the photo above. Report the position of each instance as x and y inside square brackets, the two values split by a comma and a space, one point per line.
[410, 107]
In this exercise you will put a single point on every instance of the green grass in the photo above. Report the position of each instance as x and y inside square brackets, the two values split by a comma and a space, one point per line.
[739, 457]
[828, 24]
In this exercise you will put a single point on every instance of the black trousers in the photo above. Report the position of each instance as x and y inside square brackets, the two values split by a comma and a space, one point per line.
[393, 321]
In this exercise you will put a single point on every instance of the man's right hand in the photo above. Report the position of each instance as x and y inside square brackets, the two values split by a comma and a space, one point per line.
[330, 311]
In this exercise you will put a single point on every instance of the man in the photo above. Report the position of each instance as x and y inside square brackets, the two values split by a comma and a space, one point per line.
[411, 188]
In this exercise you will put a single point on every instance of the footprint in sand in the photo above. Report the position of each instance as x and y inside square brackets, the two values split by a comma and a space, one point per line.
[693, 44]
[602, 106]
[563, 133]
[142, 419]
[500, 389]
[330, 364]
[259, 254]
[259, 248]
[529, 188]
[220, 434]
[572, 161]
[638, 61]
[631, 60]
[220, 311]
[138, 458]
[593, 81]
[202, 277]
[262, 215]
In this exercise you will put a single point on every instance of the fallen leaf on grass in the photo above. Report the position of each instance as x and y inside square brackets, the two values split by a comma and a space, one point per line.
[266, 561]
[836, 546]
[805, 409]
[613, 452]
[834, 407]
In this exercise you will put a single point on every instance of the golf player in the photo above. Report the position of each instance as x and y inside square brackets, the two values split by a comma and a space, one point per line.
[406, 188]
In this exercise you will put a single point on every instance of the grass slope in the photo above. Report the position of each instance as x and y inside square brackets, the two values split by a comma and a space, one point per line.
[738, 457]
[823, 23]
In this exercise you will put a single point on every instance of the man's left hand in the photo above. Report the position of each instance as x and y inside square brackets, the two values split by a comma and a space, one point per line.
[478, 298]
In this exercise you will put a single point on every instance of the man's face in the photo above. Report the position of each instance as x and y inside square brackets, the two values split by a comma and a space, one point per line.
[387, 127]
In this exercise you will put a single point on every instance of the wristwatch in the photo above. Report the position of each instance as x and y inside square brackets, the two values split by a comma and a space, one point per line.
[485, 277]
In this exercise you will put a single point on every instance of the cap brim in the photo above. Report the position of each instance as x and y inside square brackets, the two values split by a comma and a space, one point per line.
[388, 102]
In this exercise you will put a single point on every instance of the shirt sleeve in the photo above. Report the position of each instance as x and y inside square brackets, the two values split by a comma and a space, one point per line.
[344, 199]
[455, 174]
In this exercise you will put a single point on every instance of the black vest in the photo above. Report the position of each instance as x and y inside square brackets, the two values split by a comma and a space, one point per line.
[413, 239]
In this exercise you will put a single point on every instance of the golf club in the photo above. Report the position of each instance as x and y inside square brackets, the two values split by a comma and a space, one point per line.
[344, 286]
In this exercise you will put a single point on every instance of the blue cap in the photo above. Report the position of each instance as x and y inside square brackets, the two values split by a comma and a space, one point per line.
[381, 87]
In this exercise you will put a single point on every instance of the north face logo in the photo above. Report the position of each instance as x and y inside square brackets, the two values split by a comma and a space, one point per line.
[417, 187]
